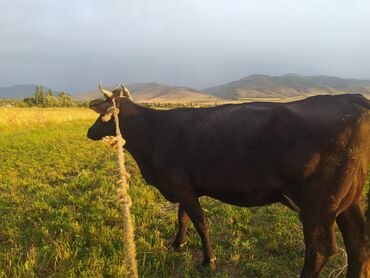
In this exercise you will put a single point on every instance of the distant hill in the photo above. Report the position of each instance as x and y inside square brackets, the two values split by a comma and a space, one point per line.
[288, 85]
[255, 86]
[20, 91]
[155, 92]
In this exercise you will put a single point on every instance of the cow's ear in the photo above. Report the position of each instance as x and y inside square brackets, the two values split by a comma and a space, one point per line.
[99, 106]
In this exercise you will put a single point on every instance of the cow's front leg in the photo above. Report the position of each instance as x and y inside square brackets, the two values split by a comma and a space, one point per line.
[182, 226]
[191, 205]
[319, 237]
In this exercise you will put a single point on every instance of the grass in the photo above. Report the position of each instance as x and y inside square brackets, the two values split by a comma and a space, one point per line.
[13, 119]
[60, 218]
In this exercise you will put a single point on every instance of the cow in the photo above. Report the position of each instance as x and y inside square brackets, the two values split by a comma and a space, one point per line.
[311, 155]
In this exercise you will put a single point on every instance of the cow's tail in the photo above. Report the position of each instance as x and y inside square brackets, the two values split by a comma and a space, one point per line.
[367, 216]
[365, 102]
[366, 270]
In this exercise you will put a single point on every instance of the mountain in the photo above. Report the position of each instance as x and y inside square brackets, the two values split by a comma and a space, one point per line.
[155, 92]
[288, 85]
[255, 86]
[20, 91]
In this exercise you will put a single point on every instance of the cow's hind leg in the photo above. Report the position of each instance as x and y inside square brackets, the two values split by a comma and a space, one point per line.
[320, 244]
[181, 232]
[191, 205]
[351, 223]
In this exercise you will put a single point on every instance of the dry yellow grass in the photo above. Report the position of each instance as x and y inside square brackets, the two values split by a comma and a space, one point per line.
[13, 119]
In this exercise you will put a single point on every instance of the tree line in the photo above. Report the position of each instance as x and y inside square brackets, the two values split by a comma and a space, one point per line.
[44, 99]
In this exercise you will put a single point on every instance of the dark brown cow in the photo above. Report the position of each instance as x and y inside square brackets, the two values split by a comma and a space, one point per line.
[311, 155]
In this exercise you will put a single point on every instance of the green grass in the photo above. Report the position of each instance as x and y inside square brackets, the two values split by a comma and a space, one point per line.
[59, 217]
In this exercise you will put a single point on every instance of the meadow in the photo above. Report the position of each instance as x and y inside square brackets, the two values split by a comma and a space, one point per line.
[59, 216]
[14, 119]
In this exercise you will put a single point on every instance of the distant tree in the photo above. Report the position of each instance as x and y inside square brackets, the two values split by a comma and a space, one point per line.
[29, 101]
[49, 100]
[65, 100]
[39, 95]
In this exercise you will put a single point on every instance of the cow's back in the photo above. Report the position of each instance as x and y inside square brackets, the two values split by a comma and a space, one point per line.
[234, 150]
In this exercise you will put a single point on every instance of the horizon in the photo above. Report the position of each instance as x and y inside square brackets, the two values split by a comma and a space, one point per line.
[180, 85]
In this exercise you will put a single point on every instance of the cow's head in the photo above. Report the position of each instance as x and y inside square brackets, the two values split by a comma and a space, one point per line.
[104, 125]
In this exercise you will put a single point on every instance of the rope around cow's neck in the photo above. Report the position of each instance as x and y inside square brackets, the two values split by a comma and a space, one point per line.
[124, 198]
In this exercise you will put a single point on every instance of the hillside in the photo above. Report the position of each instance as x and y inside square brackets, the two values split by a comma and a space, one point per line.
[256, 86]
[288, 85]
[154, 92]
[20, 91]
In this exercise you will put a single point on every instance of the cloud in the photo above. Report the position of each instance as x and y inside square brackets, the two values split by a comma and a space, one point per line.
[72, 45]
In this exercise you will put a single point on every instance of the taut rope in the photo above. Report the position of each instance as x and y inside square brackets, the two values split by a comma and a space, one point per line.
[124, 198]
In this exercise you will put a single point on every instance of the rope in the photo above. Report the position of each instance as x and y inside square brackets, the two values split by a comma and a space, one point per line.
[124, 198]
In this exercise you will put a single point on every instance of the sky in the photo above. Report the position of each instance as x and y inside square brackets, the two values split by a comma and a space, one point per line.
[72, 45]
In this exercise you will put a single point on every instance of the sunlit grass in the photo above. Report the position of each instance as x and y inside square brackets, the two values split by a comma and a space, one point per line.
[13, 118]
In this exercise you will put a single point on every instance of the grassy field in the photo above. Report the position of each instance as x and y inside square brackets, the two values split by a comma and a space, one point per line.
[14, 119]
[59, 215]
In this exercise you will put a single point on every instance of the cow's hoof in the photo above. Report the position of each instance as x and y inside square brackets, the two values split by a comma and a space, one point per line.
[178, 246]
[207, 265]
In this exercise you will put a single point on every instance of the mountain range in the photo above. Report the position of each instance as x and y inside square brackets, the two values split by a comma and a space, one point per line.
[255, 86]
[155, 93]
[20, 91]
[287, 86]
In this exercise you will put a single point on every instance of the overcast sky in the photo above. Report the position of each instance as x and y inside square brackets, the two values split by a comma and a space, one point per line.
[72, 45]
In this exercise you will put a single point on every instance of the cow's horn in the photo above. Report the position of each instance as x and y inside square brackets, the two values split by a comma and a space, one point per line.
[126, 92]
[104, 91]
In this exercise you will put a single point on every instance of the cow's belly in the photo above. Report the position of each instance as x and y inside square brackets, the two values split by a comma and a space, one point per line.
[247, 190]
[247, 199]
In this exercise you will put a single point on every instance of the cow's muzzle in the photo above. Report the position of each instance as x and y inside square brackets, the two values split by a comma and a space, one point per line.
[92, 134]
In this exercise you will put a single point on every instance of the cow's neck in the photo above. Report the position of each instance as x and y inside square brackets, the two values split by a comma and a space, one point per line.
[138, 125]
